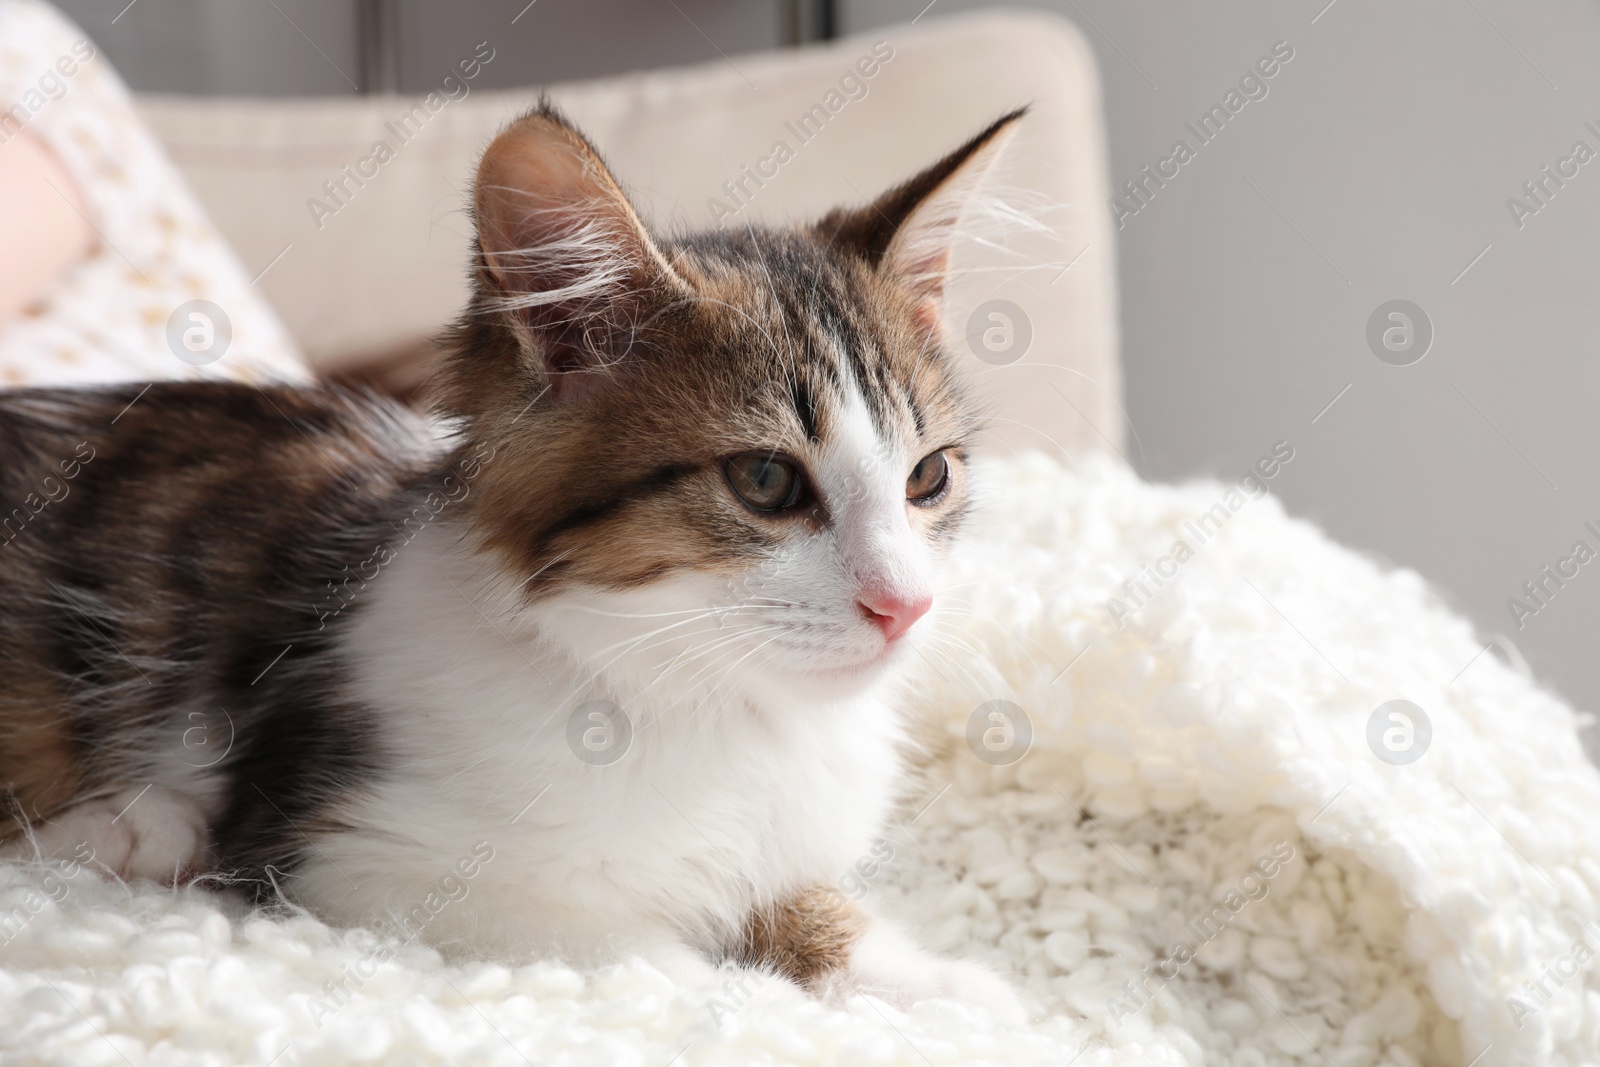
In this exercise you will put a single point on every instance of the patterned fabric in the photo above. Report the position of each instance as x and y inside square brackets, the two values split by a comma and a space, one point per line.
[125, 312]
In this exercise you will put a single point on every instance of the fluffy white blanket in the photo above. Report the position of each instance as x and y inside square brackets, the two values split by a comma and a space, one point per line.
[1199, 781]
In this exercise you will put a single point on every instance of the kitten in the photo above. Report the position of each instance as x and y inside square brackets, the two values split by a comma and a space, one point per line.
[603, 670]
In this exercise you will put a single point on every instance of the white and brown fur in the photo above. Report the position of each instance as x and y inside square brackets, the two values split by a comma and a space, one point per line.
[396, 622]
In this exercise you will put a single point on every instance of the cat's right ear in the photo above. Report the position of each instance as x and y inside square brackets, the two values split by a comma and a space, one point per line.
[909, 231]
[564, 256]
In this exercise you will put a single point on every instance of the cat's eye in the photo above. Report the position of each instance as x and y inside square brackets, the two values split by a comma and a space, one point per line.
[928, 478]
[766, 482]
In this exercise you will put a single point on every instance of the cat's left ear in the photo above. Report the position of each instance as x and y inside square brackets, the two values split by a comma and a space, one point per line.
[910, 229]
[564, 256]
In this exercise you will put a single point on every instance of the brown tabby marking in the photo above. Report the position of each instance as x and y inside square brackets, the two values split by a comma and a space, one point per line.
[38, 761]
[805, 938]
[182, 572]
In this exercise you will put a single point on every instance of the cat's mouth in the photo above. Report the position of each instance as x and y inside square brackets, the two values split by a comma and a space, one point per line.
[858, 669]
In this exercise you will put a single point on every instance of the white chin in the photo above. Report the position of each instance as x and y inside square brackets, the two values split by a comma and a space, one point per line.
[823, 678]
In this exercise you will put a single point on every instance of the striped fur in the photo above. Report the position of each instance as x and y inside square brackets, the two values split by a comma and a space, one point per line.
[178, 563]
[332, 642]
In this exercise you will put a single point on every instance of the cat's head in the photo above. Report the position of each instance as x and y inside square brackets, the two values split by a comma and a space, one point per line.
[730, 456]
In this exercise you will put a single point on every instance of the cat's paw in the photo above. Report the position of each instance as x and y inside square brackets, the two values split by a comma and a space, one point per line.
[937, 979]
[889, 966]
[686, 967]
[149, 832]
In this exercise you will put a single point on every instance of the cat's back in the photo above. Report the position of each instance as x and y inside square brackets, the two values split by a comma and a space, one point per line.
[172, 473]
[160, 544]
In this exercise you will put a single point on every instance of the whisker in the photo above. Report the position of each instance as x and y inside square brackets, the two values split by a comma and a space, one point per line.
[702, 651]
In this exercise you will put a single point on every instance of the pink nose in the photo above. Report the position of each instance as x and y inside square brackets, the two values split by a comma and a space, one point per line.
[893, 613]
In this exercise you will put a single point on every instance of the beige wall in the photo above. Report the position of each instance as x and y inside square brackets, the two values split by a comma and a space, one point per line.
[323, 47]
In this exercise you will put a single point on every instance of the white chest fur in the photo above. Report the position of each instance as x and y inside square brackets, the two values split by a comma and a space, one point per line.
[720, 800]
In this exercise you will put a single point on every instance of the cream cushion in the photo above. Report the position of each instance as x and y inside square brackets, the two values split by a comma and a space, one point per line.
[382, 264]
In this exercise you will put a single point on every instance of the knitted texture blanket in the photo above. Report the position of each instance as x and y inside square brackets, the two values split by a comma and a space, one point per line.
[1211, 788]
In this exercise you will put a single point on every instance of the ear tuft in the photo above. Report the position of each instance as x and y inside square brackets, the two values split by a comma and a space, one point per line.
[909, 230]
[564, 255]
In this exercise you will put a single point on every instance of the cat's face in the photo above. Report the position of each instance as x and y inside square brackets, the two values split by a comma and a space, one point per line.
[719, 459]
